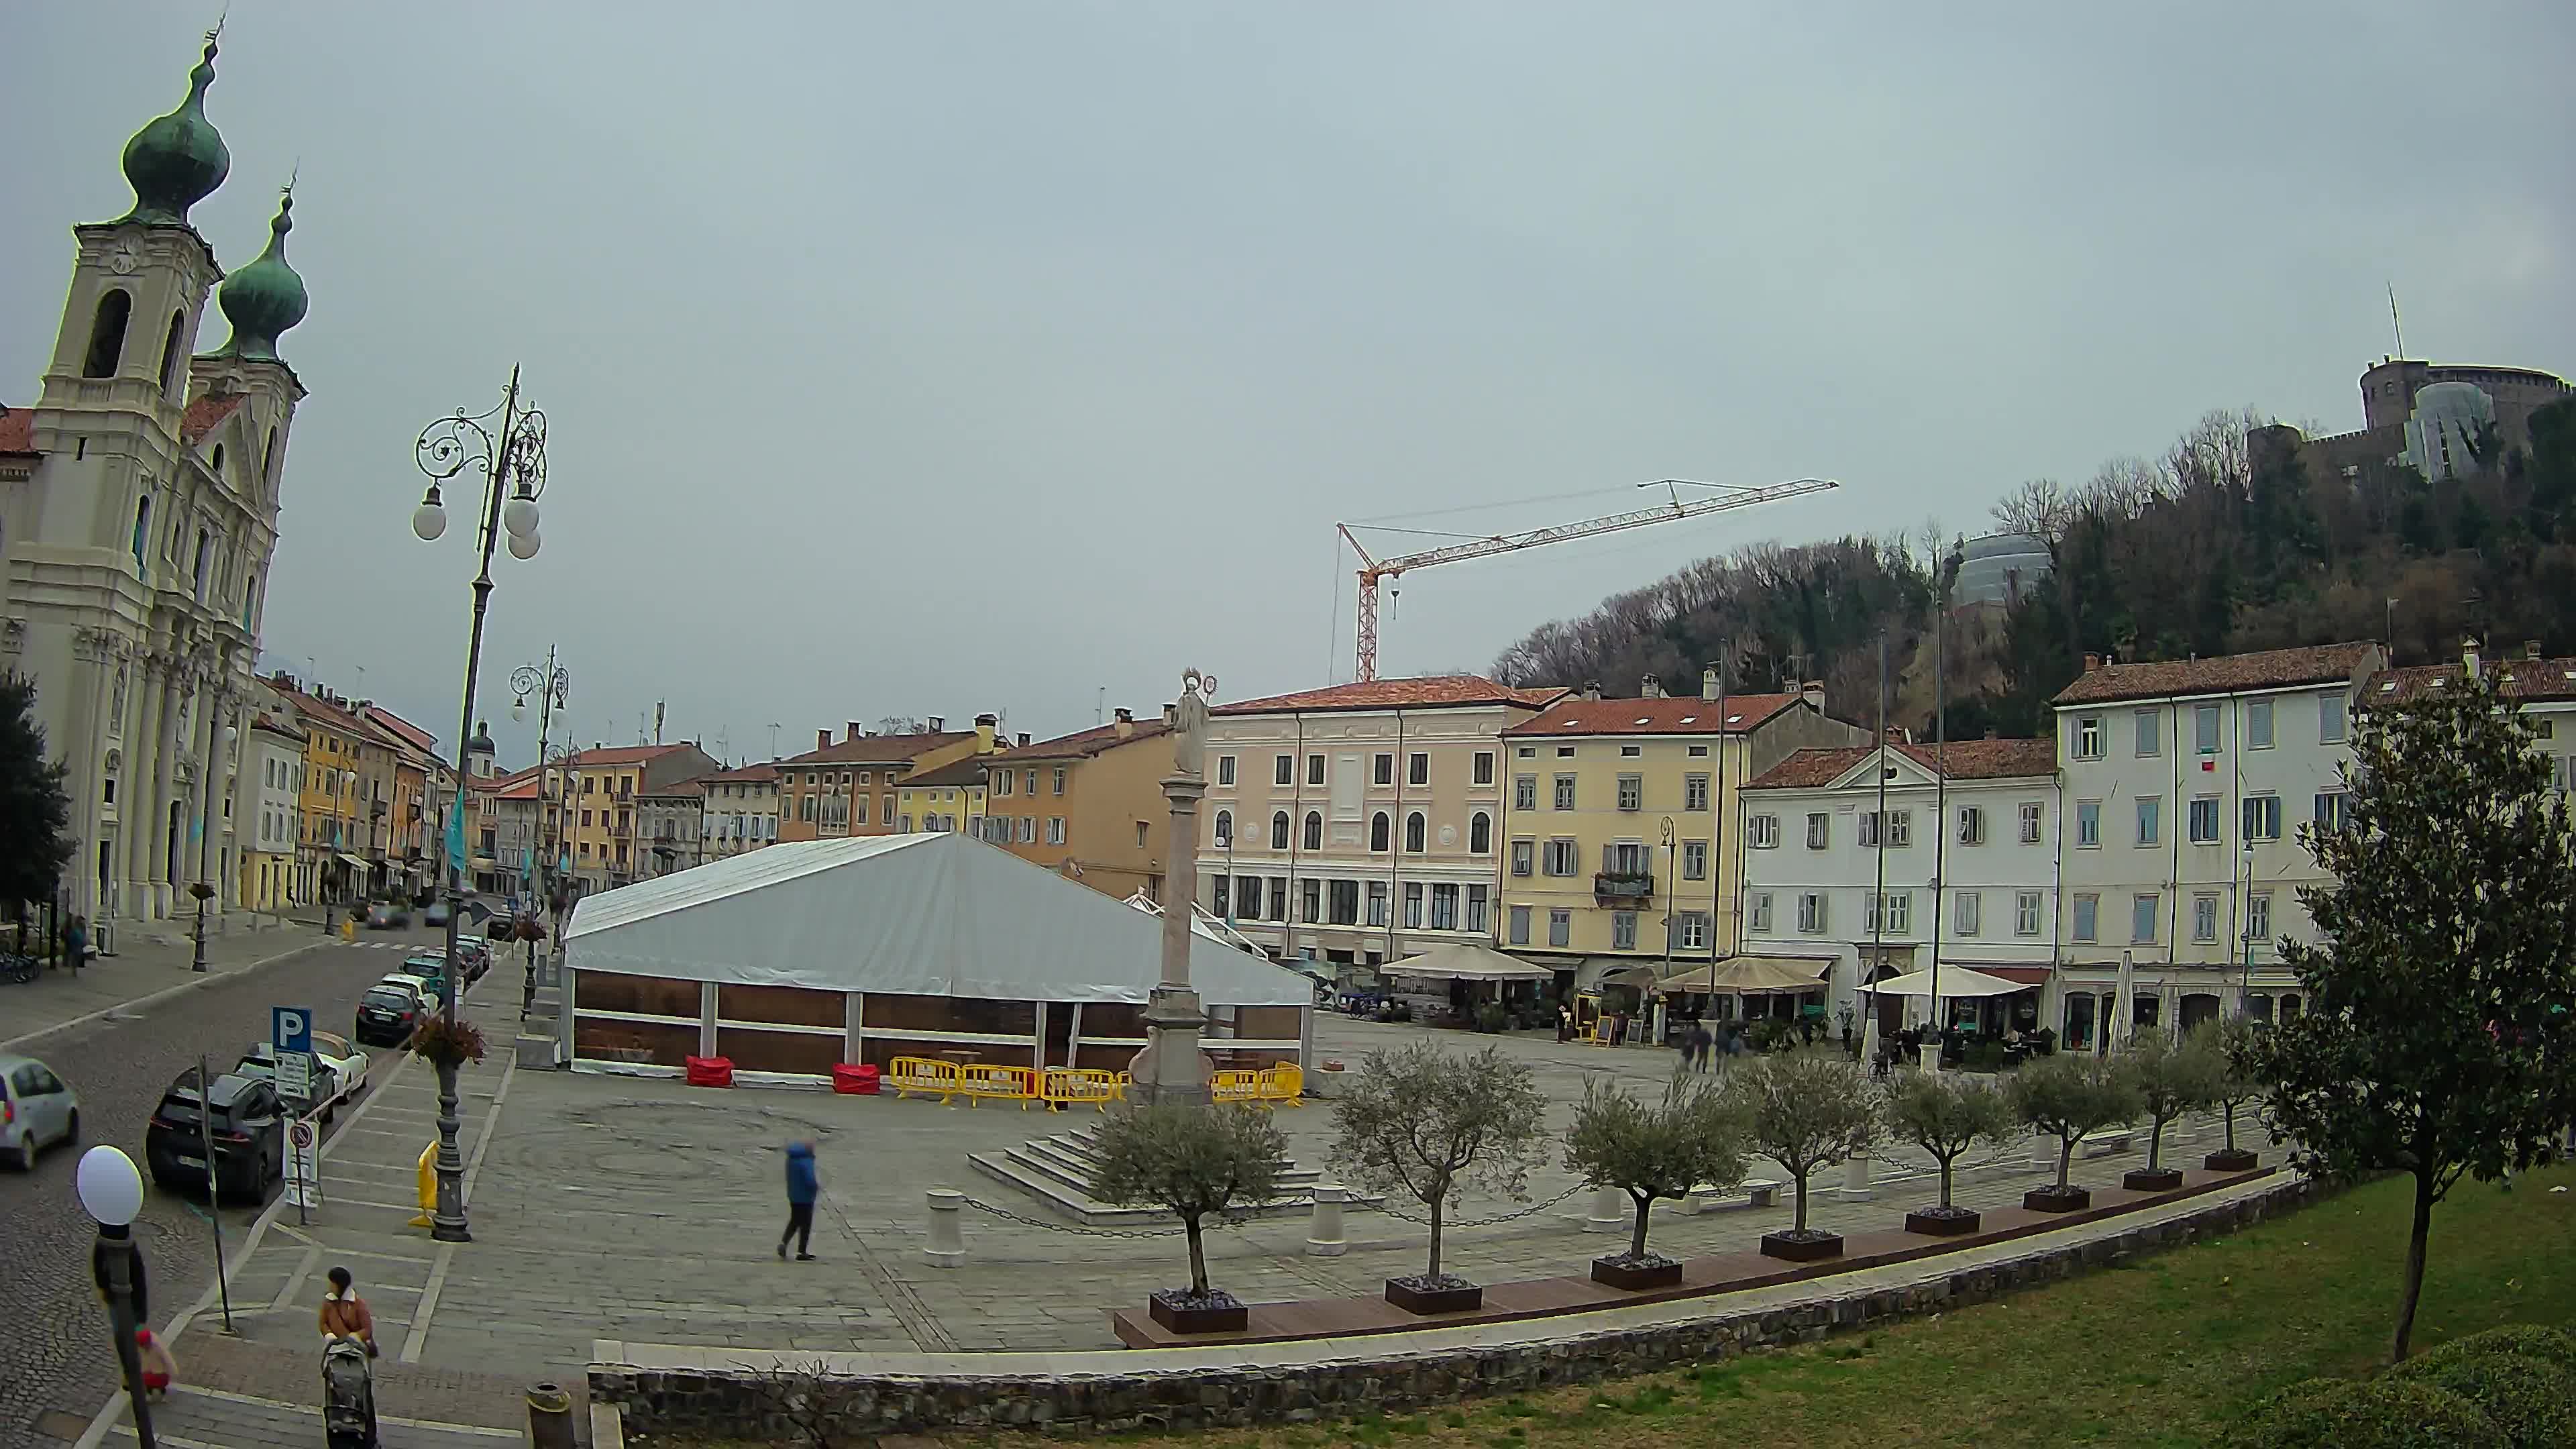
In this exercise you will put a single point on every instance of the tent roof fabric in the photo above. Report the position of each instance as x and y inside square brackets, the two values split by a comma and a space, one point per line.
[1467, 961]
[1955, 981]
[933, 914]
[1750, 974]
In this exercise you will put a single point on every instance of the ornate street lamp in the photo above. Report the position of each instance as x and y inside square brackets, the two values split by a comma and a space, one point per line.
[111, 1192]
[508, 446]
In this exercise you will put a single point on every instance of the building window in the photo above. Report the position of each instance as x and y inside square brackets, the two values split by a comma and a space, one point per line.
[1310, 901]
[1314, 769]
[1414, 832]
[2258, 724]
[1417, 770]
[1899, 912]
[1694, 792]
[2026, 913]
[1343, 905]
[1279, 830]
[1565, 792]
[2142, 919]
[1480, 833]
[2262, 817]
[1632, 792]
[1382, 768]
[1225, 769]
[2088, 823]
[1762, 832]
[1565, 752]
[2204, 918]
[1972, 825]
[2330, 809]
[2258, 918]
[1283, 770]
[1055, 831]
[2151, 819]
[1381, 832]
[1525, 792]
[1444, 907]
[1525, 752]
[1484, 767]
[1694, 860]
[1224, 829]
[1413, 905]
[2330, 721]
[1757, 911]
[1811, 912]
[2204, 820]
[1965, 910]
[1279, 898]
[1314, 830]
[2204, 728]
[1478, 897]
[2088, 911]
[1560, 927]
[1623, 930]
[1520, 926]
[1377, 903]
[2030, 818]
[1523, 851]
[1059, 779]
[1820, 830]
[2150, 727]
[1630, 752]
[1561, 857]
[107, 333]
[2088, 737]
[1221, 903]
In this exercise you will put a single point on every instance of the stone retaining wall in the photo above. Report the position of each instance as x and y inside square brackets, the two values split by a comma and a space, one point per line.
[768, 1394]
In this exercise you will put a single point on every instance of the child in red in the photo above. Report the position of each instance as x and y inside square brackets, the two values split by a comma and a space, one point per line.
[158, 1367]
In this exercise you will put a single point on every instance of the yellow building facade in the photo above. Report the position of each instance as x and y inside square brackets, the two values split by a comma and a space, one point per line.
[330, 865]
[1089, 805]
[949, 797]
[1621, 823]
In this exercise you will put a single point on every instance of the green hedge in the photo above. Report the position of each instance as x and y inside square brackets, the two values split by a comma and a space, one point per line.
[2385, 1413]
[2528, 1398]
[2529, 1340]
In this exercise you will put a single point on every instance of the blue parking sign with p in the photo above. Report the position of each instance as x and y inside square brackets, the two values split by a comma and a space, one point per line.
[291, 1028]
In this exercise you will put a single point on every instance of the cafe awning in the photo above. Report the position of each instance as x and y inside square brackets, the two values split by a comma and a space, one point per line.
[1467, 961]
[1955, 981]
[1743, 975]
[354, 862]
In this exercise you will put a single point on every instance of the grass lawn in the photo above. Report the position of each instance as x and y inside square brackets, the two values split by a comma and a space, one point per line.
[2158, 1353]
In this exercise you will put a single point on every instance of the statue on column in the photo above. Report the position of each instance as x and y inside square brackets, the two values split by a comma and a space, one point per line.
[1189, 723]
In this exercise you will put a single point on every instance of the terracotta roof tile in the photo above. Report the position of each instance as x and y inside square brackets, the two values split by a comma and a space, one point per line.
[17, 431]
[968, 771]
[878, 749]
[765, 773]
[208, 413]
[682, 787]
[1964, 759]
[1427, 692]
[2269, 669]
[2540, 679]
[1670, 716]
[1083, 744]
[621, 755]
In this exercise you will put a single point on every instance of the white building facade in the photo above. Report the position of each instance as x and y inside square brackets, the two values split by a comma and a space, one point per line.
[741, 811]
[269, 806]
[1961, 867]
[138, 514]
[2186, 782]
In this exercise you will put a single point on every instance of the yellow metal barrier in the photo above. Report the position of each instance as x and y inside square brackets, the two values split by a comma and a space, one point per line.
[428, 1185]
[925, 1075]
[1066, 1086]
[979, 1080]
[1284, 1082]
[1235, 1085]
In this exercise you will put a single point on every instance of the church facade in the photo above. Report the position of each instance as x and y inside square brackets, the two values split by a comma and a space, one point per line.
[138, 518]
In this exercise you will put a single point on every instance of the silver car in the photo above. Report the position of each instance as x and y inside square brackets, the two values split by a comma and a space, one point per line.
[36, 1108]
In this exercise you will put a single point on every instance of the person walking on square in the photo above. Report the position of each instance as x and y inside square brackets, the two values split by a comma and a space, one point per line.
[803, 1186]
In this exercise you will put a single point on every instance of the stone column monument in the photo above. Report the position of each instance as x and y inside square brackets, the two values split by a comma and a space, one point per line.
[1170, 1068]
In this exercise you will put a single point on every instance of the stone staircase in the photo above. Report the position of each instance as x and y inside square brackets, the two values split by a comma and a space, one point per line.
[1059, 1171]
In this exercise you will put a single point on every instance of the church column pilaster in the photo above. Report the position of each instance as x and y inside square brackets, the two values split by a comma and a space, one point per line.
[135, 805]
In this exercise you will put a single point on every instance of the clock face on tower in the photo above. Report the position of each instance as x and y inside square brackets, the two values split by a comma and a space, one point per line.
[123, 261]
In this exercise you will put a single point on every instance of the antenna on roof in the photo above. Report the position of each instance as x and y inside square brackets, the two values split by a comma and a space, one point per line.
[2394, 325]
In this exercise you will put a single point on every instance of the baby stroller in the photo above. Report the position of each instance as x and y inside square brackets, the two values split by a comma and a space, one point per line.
[348, 1396]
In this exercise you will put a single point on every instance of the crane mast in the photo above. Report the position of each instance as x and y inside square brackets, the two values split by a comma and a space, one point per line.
[1374, 570]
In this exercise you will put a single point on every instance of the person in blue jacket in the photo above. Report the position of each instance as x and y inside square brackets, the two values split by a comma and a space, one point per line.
[802, 1188]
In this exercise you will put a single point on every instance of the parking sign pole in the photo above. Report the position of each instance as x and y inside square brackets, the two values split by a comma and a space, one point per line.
[214, 1188]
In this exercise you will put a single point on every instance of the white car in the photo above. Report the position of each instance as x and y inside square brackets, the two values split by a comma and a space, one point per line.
[345, 1057]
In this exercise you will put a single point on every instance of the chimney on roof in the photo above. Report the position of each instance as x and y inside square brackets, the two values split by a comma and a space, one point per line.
[2469, 653]
[1171, 716]
[1650, 688]
[1125, 721]
[987, 729]
[1813, 692]
[2092, 663]
[823, 738]
[938, 724]
[1708, 683]
[2530, 648]
[1022, 739]
[1592, 689]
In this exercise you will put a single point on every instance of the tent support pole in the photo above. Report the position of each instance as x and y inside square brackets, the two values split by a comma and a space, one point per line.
[706, 1018]
[1073, 1039]
[854, 1030]
[1037, 1050]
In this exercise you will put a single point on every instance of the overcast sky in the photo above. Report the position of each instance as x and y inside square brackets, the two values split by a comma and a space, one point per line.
[931, 359]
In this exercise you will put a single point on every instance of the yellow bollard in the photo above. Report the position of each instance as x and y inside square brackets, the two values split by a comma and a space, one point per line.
[428, 1185]
[348, 930]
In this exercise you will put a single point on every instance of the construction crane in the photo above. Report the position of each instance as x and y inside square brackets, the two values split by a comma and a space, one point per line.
[1373, 570]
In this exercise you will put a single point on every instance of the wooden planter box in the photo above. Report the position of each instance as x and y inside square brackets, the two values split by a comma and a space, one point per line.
[2151, 1179]
[2231, 1159]
[1933, 1223]
[1184, 1315]
[1801, 1250]
[1404, 1293]
[2050, 1200]
[1637, 1277]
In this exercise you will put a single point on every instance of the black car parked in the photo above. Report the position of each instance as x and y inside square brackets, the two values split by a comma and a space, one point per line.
[248, 1129]
[386, 1016]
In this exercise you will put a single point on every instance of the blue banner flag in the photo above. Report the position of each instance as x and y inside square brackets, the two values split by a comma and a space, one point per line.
[455, 837]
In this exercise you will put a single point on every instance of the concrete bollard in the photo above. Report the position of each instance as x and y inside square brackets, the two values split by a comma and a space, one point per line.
[550, 1417]
[947, 1230]
[2043, 1154]
[1610, 1212]
[1856, 1183]
[1324, 1235]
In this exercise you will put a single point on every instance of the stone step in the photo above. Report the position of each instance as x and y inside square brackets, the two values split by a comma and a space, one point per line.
[1044, 1155]
[1068, 1201]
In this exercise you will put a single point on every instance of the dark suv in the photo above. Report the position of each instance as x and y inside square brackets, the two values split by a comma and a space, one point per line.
[386, 1016]
[248, 1129]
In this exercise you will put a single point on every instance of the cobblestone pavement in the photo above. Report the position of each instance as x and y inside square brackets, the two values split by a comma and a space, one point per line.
[59, 1356]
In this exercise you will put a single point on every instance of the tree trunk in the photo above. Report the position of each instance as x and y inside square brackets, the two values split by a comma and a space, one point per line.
[1198, 1257]
[2227, 1113]
[1637, 1240]
[2065, 1160]
[1434, 1205]
[2412, 1290]
[1945, 1182]
[2156, 1145]
[1802, 1203]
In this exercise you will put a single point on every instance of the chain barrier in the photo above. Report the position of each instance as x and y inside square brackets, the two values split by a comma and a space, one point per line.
[1448, 1223]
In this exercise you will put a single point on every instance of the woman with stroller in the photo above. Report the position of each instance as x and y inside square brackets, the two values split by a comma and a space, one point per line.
[348, 1386]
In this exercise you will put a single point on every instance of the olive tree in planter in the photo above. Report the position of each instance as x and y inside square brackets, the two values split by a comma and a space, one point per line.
[1805, 1111]
[2170, 1075]
[1691, 1138]
[2064, 1097]
[1192, 1162]
[2230, 1043]
[1945, 1114]
[1427, 1122]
